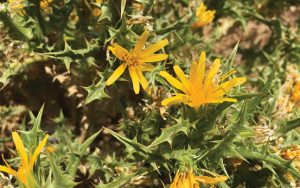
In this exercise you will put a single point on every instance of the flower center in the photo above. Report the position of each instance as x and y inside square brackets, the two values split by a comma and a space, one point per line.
[130, 59]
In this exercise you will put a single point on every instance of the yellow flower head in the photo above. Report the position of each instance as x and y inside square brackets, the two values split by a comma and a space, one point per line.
[189, 180]
[137, 60]
[18, 6]
[198, 88]
[24, 173]
[292, 153]
[45, 5]
[296, 93]
[204, 16]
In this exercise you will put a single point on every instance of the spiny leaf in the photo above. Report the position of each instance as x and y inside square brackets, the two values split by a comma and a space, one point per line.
[231, 58]
[96, 91]
[87, 142]
[123, 4]
[69, 50]
[67, 61]
[60, 179]
[208, 122]
[255, 102]
[60, 120]
[273, 159]
[19, 26]
[73, 163]
[244, 96]
[105, 13]
[122, 180]
[221, 164]
[37, 122]
[74, 160]
[169, 133]
[289, 125]
[69, 55]
[218, 150]
[187, 156]
[5, 77]
[130, 144]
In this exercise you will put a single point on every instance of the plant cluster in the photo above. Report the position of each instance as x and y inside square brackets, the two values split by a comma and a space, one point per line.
[159, 93]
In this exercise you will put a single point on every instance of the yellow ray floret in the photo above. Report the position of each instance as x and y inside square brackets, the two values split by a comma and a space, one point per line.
[200, 89]
[295, 96]
[189, 180]
[24, 173]
[204, 16]
[137, 61]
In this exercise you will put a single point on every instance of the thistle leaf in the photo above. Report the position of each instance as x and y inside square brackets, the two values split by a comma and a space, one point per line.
[5, 77]
[37, 121]
[74, 160]
[60, 178]
[273, 159]
[289, 125]
[131, 144]
[122, 180]
[169, 133]
[87, 142]
[96, 91]
[123, 4]
[218, 150]
[18, 26]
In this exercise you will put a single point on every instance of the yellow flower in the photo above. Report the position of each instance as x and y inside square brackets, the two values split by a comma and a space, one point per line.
[189, 180]
[292, 153]
[45, 5]
[137, 60]
[296, 93]
[19, 5]
[204, 16]
[199, 89]
[24, 172]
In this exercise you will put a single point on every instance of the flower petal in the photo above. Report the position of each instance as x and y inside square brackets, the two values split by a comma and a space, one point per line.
[178, 98]
[141, 42]
[153, 48]
[8, 170]
[37, 151]
[174, 82]
[20, 148]
[227, 86]
[179, 72]
[118, 51]
[211, 180]
[154, 58]
[145, 67]
[7, 165]
[212, 72]
[202, 8]
[144, 82]
[201, 67]
[135, 79]
[116, 74]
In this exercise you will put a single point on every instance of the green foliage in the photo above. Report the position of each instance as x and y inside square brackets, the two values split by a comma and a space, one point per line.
[56, 55]
[96, 91]
[60, 179]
